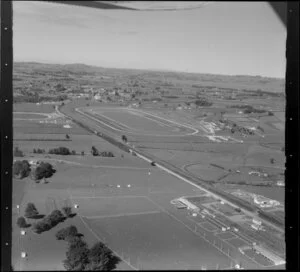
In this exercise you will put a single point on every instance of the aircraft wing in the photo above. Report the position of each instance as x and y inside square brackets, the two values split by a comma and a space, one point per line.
[280, 8]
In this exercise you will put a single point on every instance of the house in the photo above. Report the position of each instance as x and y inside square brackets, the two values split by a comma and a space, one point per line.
[280, 183]
[112, 92]
[97, 97]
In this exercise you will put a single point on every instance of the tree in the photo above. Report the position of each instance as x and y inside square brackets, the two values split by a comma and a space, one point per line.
[82, 153]
[67, 137]
[31, 211]
[66, 232]
[21, 222]
[67, 211]
[44, 170]
[21, 169]
[56, 217]
[18, 152]
[73, 152]
[272, 161]
[124, 138]
[270, 113]
[94, 151]
[101, 258]
[77, 256]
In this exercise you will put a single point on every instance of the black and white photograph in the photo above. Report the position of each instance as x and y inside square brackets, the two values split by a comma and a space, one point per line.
[148, 136]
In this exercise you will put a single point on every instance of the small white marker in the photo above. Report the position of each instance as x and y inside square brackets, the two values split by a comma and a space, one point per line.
[76, 206]
[18, 206]
[23, 254]
[118, 186]
[149, 173]
[23, 232]
[194, 214]
[128, 185]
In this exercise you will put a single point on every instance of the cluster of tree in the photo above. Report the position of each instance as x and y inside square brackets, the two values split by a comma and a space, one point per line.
[107, 154]
[39, 151]
[81, 258]
[21, 169]
[48, 222]
[96, 152]
[43, 170]
[18, 152]
[203, 102]
[236, 128]
[36, 98]
[248, 109]
[67, 233]
[61, 151]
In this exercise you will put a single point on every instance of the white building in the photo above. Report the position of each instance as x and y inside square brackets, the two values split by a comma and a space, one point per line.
[97, 97]
[257, 222]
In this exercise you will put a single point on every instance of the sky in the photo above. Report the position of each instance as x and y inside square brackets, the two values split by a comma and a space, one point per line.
[230, 38]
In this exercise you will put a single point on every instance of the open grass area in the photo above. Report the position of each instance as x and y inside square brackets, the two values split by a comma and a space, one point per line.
[34, 127]
[136, 122]
[155, 241]
[237, 242]
[208, 226]
[226, 235]
[24, 116]
[224, 208]
[33, 107]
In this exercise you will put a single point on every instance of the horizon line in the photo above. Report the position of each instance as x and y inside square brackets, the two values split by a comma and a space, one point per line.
[151, 69]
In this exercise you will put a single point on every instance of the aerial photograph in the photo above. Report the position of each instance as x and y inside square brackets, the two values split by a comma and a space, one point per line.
[148, 136]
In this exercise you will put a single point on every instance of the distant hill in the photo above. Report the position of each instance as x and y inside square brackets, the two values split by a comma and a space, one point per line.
[178, 78]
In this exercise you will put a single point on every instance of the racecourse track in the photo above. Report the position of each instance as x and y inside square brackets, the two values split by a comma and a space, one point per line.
[137, 122]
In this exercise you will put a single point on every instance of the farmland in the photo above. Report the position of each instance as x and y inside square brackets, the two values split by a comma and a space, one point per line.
[124, 200]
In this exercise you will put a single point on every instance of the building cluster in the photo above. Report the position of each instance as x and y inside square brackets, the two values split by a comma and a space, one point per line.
[257, 225]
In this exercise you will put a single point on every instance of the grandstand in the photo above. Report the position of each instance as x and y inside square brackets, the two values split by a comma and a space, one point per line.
[189, 205]
[269, 255]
